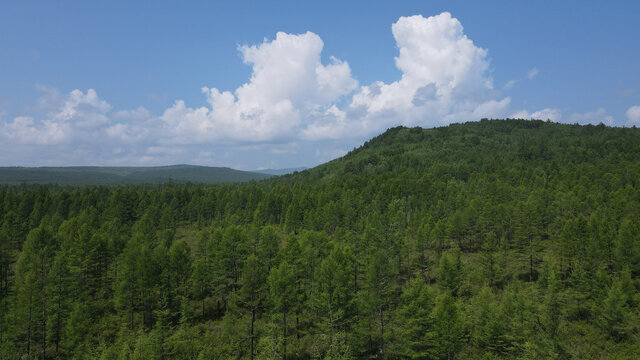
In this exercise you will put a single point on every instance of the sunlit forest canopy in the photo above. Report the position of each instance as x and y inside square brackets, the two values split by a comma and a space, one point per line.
[497, 239]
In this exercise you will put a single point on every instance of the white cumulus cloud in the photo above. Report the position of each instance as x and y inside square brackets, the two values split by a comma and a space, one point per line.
[544, 114]
[289, 86]
[592, 117]
[633, 115]
[25, 130]
[76, 116]
[445, 78]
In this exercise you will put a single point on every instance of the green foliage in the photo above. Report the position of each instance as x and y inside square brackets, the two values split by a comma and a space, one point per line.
[76, 341]
[282, 288]
[627, 245]
[490, 323]
[496, 239]
[615, 315]
[415, 324]
[451, 276]
[334, 299]
[449, 327]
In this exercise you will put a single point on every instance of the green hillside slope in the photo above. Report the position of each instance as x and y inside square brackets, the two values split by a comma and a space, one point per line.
[95, 175]
[498, 239]
[488, 146]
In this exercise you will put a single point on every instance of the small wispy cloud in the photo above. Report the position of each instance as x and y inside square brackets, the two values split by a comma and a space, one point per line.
[509, 85]
[531, 74]
[628, 92]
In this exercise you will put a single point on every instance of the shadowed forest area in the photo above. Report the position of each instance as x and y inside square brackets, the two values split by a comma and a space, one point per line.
[497, 239]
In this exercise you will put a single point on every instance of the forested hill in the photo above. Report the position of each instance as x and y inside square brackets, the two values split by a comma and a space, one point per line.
[97, 175]
[489, 146]
[498, 239]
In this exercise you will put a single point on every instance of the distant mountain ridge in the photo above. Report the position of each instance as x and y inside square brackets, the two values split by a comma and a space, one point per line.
[279, 172]
[100, 175]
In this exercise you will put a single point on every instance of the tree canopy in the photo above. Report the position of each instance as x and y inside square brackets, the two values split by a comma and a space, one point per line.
[506, 239]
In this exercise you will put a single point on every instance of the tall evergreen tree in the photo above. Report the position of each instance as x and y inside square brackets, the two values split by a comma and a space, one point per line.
[448, 325]
[32, 278]
[282, 288]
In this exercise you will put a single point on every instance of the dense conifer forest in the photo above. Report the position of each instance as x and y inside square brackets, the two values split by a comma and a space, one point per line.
[497, 239]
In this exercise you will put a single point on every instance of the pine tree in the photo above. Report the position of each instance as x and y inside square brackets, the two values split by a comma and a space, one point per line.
[448, 326]
[614, 314]
[201, 282]
[489, 323]
[451, 273]
[379, 289]
[78, 326]
[414, 322]
[268, 245]
[627, 245]
[552, 317]
[282, 288]
[251, 287]
[127, 292]
[489, 259]
[59, 278]
[32, 281]
[333, 298]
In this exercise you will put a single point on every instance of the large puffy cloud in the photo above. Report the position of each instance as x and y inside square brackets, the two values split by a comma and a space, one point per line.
[633, 115]
[289, 85]
[444, 79]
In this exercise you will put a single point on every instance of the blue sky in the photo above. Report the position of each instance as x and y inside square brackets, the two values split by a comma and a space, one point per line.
[255, 84]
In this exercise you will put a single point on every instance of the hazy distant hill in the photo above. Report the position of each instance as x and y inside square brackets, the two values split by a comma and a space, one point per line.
[278, 172]
[96, 175]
